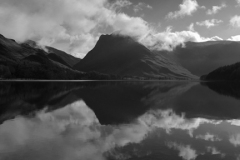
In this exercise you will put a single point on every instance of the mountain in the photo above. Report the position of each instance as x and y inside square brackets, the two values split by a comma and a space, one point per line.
[204, 57]
[122, 55]
[28, 61]
[226, 73]
[69, 59]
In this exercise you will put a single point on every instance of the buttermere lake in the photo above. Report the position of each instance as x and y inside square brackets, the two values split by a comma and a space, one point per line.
[119, 120]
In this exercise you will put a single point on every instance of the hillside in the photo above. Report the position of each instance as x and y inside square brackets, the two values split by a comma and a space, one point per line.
[226, 73]
[202, 58]
[69, 59]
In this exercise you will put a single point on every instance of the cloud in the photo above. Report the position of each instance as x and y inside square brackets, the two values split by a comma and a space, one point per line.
[235, 140]
[119, 4]
[235, 122]
[215, 38]
[140, 7]
[214, 151]
[168, 120]
[216, 9]
[238, 2]
[235, 21]
[209, 23]
[131, 26]
[191, 27]
[74, 132]
[208, 137]
[185, 9]
[51, 22]
[185, 151]
[73, 26]
[168, 39]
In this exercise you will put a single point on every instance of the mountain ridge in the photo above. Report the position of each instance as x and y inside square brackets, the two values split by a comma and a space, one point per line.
[28, 61]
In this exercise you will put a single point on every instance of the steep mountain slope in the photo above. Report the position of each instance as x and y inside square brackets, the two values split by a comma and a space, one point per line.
[203, 58]
[69, 59]
[124, 56]
[57, 58]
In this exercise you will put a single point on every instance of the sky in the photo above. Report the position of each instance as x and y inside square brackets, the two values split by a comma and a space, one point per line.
[74, 26]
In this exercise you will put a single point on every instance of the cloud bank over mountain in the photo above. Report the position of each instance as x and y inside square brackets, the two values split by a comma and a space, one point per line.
[75, 25]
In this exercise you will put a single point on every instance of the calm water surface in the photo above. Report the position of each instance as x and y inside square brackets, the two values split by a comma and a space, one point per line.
[119, 121]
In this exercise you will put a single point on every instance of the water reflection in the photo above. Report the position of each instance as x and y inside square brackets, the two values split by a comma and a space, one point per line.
[118, 120]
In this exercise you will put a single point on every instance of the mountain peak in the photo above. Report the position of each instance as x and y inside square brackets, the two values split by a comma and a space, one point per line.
[113, 38]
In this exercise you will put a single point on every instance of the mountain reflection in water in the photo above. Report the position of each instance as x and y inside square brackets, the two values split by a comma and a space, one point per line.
[119, 121]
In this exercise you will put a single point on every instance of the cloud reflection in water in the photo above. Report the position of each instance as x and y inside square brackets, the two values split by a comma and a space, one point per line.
[75, 132]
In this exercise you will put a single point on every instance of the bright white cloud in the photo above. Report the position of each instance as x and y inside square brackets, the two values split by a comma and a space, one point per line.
[209, 23]
[54, 22]
[131, 26]
[235, 21]
[235, 122]
[216, 9]
[215, 38]
[185, 9]
[168, 39]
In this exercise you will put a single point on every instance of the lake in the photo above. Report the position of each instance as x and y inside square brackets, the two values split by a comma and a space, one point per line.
[123, 120]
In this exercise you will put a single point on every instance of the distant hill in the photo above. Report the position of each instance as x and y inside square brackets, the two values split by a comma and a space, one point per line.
[202, 58]
[227, 73]
[122, 55]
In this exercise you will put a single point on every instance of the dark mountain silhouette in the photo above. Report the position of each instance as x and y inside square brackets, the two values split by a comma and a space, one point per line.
[226, 73]
[122, 55]
[29, 61]
[202, 58]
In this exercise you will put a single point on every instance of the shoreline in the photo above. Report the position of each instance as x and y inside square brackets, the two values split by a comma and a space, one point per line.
[22, 80]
